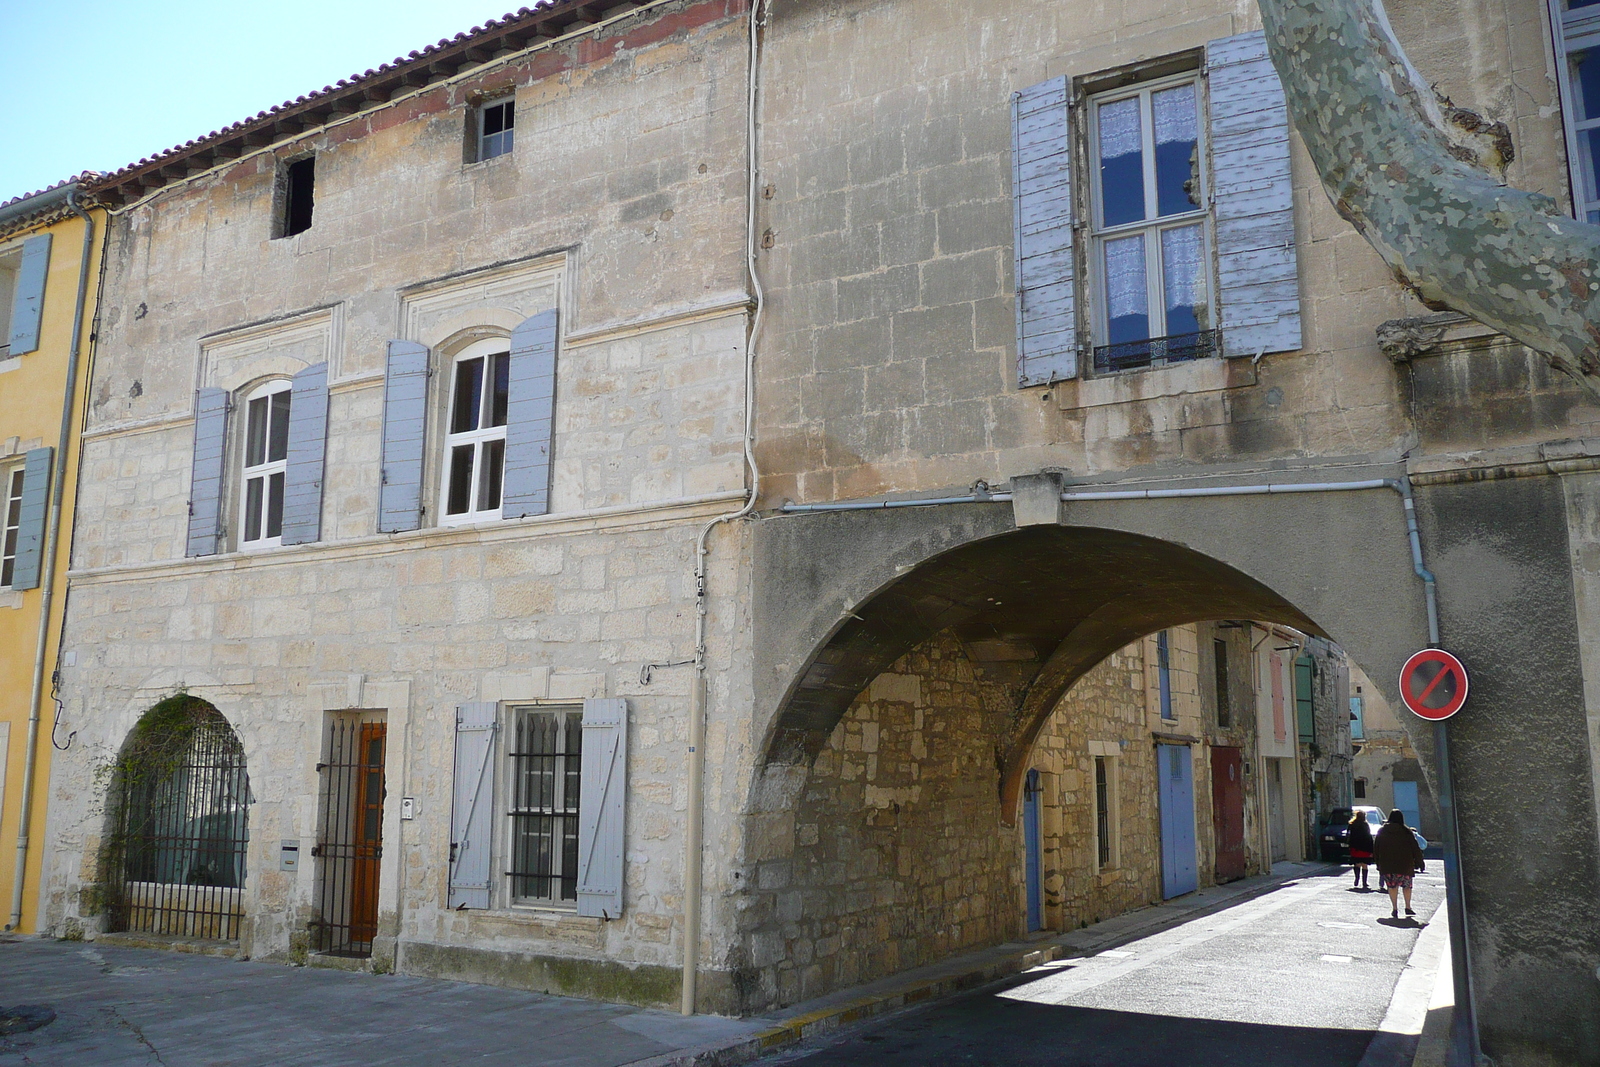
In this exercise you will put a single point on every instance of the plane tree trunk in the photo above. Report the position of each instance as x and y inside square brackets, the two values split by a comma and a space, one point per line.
[1421, 181]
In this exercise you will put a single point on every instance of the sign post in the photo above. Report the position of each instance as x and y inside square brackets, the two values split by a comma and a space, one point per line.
[1434, 686]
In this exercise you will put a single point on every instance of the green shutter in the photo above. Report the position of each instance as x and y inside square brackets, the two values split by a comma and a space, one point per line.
[1302, 699]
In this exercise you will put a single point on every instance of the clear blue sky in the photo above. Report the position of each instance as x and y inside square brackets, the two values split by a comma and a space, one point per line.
[96, 85]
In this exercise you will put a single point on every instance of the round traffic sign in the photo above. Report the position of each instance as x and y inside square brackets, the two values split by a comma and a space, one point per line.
[1433, 684]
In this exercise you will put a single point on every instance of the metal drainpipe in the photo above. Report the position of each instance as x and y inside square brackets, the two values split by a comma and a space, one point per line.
[48, 578]
[694, 800]
[1464, 1033]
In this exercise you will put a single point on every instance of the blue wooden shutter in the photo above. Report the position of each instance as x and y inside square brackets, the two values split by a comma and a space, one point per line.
[405, 412]
[31, 515]
[205, 482]
[472, 809]
[603, 788]
[27, 305]
[308, 439]
[530, 417]
[1041, 156]
[1253, 198]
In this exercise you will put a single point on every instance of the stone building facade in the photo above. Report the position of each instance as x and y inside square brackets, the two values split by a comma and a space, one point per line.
[914, 166]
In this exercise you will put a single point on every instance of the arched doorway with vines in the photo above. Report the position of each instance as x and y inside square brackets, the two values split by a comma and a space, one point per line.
[174, 862]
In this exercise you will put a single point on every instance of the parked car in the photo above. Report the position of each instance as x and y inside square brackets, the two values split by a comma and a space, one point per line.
[1333, 840]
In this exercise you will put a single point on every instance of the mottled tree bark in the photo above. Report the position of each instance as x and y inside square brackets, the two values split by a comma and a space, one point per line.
[1422, 183]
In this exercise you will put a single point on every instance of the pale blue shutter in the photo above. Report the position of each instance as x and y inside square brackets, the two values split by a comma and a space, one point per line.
[472, 809]
[604, 785]
[1253, 199]
[27, 304]
[1041, 157]
[530, 417]
[405, 412]
[31, 515]
[205, 482]
[308, 439]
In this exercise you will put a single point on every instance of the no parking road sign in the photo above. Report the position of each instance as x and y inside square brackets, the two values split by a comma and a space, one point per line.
[1433, 684]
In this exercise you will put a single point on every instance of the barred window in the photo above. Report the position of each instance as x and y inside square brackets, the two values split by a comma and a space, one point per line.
[1102, 812]
[545, 757]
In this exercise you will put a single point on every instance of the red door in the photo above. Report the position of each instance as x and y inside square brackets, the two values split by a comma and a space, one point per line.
[368, 837]
[1227, 812]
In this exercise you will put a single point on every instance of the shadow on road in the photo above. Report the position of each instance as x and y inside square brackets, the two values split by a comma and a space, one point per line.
[1008, 1033]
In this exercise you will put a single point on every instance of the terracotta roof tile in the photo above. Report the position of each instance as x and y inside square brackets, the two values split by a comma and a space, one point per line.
[512, 30]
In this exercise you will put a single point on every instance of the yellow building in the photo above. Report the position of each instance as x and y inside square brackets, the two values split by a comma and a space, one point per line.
[50, 245]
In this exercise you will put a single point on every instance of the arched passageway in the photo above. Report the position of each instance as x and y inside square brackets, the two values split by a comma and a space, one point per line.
[884, 822]
[174, 857]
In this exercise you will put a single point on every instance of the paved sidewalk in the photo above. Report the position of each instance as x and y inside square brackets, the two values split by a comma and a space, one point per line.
[117, 1007]
[123, 1006]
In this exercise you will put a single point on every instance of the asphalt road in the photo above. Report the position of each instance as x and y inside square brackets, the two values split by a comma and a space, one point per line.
[1300, 976]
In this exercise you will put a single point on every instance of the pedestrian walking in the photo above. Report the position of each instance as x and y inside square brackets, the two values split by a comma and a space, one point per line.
[1360, 839]
[1399, 859]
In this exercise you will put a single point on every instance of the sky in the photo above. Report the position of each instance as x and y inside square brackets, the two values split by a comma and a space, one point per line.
[95, 85]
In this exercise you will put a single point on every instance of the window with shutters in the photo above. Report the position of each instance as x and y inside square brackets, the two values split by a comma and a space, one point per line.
[1154, 215]
[266, 453]
[475, 433]
[1577, 31]
[13, 525]
[9, 261]
[544, 756]
[1149, 251]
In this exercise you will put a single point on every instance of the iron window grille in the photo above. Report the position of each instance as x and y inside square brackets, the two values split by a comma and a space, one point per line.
[545, 760]
[496, 128]
[1102, 812]
[13, 526]
[180, 840]
[1150, 222]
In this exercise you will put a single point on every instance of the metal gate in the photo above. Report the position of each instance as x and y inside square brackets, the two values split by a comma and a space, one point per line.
[178, 847]
[349, 844]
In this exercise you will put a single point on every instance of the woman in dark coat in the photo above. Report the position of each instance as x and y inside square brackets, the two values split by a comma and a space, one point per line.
[1398, 857]
[1360, 847]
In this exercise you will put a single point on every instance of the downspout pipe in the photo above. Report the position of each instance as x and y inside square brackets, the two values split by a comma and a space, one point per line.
[1464, 1025]
[47, 582]
[694, 822]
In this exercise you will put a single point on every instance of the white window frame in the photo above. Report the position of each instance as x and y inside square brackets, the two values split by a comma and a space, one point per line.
[479, 439]
[507, 134]
[1576, 31]
[11, 530]
[10, 263]
[1150, 227]
[571, 717]
[263, 471]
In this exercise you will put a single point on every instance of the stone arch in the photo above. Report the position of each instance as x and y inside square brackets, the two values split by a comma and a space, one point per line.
[174, 853]
[1037, 606]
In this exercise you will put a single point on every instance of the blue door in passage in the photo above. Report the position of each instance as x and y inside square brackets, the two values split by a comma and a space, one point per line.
[1405, 798]
[1030, 831]
[1175, 773]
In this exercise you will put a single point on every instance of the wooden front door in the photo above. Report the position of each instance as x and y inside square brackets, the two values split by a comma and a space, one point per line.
[368, 836]
[1227, 811]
